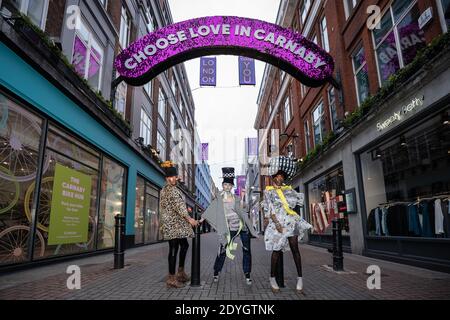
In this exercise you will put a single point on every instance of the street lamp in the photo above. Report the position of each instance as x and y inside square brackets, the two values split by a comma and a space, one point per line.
[288, 136]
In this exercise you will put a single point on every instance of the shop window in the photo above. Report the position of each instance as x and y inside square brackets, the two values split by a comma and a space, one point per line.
[87, 56]
[398, 38]
[152, 232]
[146, 212]
[20, 135]
[407, 182]
[324, 195]
[361, 75]
[112, 201]
[67, 196]
[139, 211]
[70, 217]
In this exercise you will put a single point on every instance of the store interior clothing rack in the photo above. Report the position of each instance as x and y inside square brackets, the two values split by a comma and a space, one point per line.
[417, 200]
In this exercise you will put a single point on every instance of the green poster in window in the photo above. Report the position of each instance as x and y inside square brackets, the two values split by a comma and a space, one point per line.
[69, 215]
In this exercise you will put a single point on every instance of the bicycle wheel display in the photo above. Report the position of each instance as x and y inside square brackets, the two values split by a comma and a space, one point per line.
[9, 192]
[19, 144]
[14, 242]
[45, 202]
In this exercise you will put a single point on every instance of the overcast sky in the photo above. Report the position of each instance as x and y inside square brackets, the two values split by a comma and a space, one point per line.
[225, 114]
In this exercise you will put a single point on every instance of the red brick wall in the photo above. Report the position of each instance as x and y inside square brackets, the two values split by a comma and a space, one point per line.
[55, 18]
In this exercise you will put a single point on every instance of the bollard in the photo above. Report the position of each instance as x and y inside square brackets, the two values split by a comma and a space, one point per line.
[338, 258]
[195, 271]
[119, 243]
[279, 276]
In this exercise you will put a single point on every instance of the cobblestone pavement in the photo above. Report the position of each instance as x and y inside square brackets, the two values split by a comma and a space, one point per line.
[146, 267]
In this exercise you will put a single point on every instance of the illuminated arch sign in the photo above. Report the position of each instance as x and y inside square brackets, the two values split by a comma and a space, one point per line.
[166, 47]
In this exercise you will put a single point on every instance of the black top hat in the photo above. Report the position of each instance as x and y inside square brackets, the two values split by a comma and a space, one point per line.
[170, 168]
[228, 175]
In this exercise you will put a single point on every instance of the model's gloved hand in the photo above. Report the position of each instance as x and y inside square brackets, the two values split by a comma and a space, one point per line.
[193, 222]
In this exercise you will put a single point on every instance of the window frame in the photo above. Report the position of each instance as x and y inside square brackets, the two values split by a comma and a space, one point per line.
[324, 34]
[128, 27]
[307, 136]
[330, 103]
[24, 9]
[143, 124]
[440, 8]
[319, 121]
[148, 89]
[302, 10]
[287, 101]
[394, 29]
[160, 102]
[162, 149]
[89, 46]
[357, 71]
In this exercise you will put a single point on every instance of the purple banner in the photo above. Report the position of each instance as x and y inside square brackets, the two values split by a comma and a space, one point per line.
[240, 184]
[205, 151]
[252, 146]
[208, 71]
[158, 51]
[246, 71]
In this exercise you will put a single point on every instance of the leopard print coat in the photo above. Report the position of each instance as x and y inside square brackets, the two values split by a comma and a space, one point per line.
[172, 208]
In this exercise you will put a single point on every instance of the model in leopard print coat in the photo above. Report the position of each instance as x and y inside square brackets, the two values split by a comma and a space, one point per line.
[173, 213]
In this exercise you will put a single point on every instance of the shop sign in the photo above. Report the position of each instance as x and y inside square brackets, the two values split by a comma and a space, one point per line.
[69, 214]
[400, 114]
[173, 44]
[350, 201]
[425, 17]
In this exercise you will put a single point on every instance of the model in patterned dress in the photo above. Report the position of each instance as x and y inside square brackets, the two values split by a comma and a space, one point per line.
[176, 225]
[283, 225]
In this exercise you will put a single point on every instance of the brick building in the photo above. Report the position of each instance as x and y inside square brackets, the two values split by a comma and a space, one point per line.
[60, 113]
[380, 137]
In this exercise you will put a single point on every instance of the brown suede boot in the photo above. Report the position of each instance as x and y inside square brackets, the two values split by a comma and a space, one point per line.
[182, 276]
[172, 282]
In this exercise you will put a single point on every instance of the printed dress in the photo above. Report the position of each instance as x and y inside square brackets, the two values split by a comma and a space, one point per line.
[291, 223]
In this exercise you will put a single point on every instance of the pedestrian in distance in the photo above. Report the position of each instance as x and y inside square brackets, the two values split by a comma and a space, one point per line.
[176, 225]
[282, 224]
[228, 216]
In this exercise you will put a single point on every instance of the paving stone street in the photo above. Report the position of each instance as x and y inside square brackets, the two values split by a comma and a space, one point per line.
[143, 278]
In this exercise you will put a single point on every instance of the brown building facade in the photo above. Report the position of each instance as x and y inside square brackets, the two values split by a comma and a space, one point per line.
[360, 141]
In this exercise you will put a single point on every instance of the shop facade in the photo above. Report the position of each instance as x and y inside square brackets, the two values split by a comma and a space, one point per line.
[64, 173]
[393, 171]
